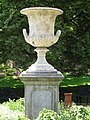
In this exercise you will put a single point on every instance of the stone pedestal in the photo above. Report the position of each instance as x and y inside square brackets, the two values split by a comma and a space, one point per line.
[41, 91]
[41, 80]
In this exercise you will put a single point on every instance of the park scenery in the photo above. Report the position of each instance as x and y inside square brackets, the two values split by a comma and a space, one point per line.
[44, 60]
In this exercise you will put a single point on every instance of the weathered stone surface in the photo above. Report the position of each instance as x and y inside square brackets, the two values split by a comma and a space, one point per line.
[41, 65]
[41, 26]
[41, 34]
[41, 91]
[41, 79]
[41, 96]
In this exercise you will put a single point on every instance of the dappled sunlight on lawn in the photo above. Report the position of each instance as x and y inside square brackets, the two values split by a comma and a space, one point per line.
[75, 81]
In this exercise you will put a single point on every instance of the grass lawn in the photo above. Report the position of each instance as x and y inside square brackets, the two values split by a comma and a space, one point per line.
[71, 81]
[68, 81]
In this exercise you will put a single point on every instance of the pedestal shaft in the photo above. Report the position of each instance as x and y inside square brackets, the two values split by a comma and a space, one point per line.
[38, 97]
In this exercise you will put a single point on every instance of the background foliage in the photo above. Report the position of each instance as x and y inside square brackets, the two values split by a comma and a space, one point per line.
[73, 47]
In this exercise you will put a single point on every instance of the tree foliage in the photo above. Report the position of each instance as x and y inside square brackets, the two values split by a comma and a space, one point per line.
[73, 47]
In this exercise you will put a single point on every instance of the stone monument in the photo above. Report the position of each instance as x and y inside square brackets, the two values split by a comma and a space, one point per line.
[41, 80]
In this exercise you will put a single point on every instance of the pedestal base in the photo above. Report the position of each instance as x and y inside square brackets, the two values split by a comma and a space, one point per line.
[41, 92]
[38, 97]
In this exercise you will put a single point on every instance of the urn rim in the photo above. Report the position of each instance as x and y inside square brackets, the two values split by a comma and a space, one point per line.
[26, 11]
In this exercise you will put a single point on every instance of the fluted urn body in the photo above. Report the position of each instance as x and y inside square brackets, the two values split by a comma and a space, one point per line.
[41, 26]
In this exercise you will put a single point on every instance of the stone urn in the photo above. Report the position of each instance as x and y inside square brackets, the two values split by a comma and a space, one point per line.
[41, 34]
[41, 80]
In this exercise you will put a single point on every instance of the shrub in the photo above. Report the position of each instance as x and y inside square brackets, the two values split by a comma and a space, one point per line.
[48, 115]
[65, 113]
[73, 113]
[12, 110]
[15, 105]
